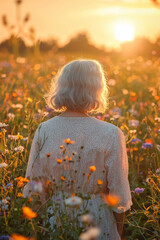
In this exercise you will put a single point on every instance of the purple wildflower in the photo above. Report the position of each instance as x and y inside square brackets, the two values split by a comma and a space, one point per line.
[135, 140]
[147, 145]
[139, 190]
[4, 237]
[8, 185]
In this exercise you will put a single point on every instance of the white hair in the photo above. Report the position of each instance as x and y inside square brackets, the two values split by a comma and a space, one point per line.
[80, 85]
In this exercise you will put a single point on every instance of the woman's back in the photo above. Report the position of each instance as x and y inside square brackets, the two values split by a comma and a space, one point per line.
[93, 139]
[68, 147]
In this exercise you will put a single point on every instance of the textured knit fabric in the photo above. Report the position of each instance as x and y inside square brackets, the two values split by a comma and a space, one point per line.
[98, 144]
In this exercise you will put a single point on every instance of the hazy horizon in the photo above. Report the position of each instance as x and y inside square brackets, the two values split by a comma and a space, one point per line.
[62, 20]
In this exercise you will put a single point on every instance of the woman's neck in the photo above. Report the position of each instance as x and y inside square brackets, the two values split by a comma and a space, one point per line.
[70, 113]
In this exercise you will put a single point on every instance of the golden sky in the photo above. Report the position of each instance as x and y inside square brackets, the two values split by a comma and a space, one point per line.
[62, 19]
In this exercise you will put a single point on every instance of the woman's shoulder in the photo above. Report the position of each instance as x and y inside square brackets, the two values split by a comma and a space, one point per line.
[106, 125]
[90, 122]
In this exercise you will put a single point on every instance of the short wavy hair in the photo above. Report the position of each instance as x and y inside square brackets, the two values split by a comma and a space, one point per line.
[80, 85]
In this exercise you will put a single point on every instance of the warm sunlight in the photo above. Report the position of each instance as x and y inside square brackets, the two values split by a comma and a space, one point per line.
[124, 31]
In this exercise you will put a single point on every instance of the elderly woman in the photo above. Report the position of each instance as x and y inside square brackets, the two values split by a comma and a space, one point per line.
[78, 89]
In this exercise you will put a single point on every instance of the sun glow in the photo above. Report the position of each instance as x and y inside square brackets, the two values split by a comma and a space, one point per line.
[124, 31]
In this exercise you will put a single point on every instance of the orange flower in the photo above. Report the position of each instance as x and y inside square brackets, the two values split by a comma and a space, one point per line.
[99, 182]
[135, 149]
[48, 76]
[20, 184]
[48, 154]
[133, 98]
[92, 168]
[61, 146]
[73, 194]
[15, 236]
[157, 98]
[22, 179]
[63, 178]
[111, 200]
[149, 140]
[30, 199]
[14, 94]
[68, 158]
[28, 213]
[68, 141]
[48, 182]
[40, 79]
[20, 194]
[59, 160]
[18, 237]
[89, 175]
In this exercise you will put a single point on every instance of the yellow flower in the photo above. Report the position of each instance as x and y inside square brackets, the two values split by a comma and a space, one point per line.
[132, 94]
[111, 200]
[29, 99]
[28, 213]
[53, 73]
[1, 134]
[20, 194]
[92, 168]
[99, 182]
[19, 136]
[36, 67]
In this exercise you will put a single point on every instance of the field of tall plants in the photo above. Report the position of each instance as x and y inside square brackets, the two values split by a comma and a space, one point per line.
[134, 106]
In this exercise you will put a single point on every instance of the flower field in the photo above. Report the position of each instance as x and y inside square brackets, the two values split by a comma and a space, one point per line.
[134, 106]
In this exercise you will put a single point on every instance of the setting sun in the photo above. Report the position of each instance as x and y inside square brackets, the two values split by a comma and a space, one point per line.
[124, 31]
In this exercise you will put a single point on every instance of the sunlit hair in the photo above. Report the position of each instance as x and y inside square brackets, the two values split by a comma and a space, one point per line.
[81, 86]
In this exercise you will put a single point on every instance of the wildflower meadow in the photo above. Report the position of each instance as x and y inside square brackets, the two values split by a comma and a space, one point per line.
[134, 106]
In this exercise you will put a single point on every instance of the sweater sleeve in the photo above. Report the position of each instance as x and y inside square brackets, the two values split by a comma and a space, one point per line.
[117, 168]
